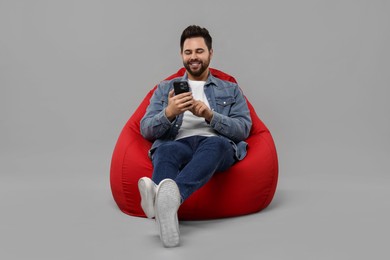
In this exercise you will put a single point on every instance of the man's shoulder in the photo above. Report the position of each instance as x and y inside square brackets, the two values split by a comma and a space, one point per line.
[222, 79]
[222, 75]
[222, 82]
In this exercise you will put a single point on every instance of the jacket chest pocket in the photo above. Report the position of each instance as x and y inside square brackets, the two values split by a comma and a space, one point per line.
[224, 104]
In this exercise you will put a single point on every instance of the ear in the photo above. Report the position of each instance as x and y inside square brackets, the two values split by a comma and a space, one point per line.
[211, 53]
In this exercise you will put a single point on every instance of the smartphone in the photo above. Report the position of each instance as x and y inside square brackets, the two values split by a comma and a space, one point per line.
[180, 87]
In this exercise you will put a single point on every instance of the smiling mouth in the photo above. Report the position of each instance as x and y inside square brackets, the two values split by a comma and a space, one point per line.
[195, 64]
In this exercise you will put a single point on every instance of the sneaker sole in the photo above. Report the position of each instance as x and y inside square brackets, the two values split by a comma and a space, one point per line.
[167, 204]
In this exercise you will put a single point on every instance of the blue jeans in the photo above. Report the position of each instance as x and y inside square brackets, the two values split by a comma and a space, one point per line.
[191, 161]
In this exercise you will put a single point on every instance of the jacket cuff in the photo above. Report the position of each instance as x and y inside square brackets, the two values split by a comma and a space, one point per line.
[163, 119]
[216, 121]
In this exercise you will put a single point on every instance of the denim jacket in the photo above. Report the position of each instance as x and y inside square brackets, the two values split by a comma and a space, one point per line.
[231, 116]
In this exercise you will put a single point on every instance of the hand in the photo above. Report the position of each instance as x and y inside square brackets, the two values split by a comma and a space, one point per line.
[200, 109]
[178, 104]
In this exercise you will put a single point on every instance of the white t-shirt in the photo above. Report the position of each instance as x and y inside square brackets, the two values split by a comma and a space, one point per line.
[193, 125]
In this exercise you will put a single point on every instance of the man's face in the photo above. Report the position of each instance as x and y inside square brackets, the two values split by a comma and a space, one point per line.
[196, 58]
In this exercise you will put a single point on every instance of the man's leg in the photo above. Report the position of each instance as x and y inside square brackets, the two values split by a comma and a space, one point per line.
[168, 159]
[212, 154]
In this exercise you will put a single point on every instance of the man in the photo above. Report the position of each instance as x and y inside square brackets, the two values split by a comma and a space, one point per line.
[194, 134]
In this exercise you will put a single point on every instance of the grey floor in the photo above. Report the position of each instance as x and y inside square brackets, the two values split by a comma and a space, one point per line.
[60, 207]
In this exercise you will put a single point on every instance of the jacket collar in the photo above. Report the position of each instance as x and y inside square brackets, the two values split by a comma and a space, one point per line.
[210, 79]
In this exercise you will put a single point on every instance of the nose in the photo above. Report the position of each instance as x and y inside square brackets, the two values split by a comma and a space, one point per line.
[193, 56]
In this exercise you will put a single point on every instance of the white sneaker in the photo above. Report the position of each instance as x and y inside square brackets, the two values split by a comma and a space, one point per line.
[147, 189]
[166, 205]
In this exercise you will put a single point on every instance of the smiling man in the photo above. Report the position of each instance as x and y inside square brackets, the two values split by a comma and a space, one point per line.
[195, 134]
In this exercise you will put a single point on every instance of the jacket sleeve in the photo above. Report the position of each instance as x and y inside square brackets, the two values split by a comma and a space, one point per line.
[154, 123]
[237, 125]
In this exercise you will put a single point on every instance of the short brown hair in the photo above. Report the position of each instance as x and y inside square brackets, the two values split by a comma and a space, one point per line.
[196, 31]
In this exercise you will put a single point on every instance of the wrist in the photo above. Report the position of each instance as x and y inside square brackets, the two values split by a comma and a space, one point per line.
[169, 115]
[209, 116]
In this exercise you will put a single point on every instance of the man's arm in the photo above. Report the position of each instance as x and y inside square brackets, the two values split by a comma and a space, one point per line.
[162, 111]
[236, 126]
[154, 123]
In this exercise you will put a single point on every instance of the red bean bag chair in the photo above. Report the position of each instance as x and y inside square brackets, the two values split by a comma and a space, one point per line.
[247, 187]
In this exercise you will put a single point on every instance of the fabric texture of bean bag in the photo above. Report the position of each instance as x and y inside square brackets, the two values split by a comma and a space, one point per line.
[247, 187]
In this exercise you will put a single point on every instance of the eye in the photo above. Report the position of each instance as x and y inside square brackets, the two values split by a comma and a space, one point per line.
[199, 51]
[187, 52]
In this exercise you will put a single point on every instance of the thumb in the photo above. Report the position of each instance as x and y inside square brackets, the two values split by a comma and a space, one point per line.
[171, 93]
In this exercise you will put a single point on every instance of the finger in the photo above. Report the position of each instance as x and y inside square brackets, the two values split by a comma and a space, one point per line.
[200, 110]
[189, 93]
[184, 94]
[185, 100]
[171, 93]
[188, 105]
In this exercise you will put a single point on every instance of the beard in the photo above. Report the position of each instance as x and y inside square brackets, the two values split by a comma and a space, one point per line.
[202, 67]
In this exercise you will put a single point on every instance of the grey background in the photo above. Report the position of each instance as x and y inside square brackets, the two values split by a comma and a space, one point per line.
[72, 73]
